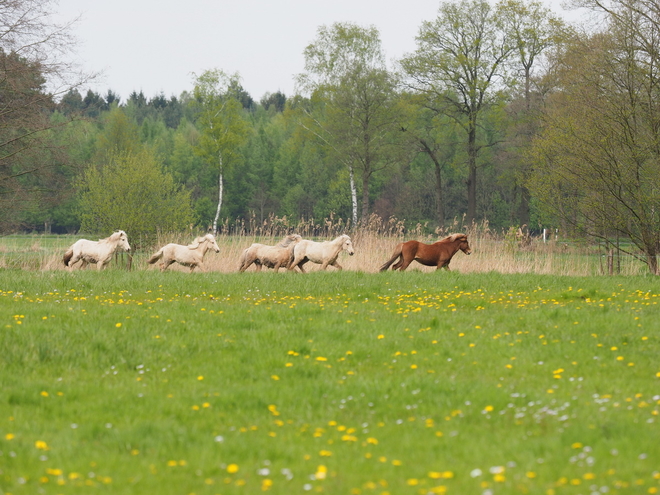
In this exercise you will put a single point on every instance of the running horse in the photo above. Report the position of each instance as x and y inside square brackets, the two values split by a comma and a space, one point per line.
[438, 254]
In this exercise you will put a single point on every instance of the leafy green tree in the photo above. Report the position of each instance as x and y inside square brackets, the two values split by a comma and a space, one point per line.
[354, 106]
[459, 67]
[132, 193]
[276, 100]
[119, 135]
[534, 31]
[222, 125]
[598, 159]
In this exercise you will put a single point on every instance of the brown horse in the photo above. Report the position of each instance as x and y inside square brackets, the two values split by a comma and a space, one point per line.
[438, 254]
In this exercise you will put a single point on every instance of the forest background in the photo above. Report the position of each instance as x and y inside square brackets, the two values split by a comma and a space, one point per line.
[504, 114]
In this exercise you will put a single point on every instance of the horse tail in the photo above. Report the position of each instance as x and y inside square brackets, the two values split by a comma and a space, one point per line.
[243, 260]
[67, 257]
[155, 257]
[398, 251]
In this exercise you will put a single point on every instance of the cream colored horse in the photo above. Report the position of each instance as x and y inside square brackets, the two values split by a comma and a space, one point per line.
[278, 256]
[323, 253]
[98, 252]
[191, 255]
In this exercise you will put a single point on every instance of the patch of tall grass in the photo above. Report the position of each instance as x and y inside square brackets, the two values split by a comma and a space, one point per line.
[503, 252]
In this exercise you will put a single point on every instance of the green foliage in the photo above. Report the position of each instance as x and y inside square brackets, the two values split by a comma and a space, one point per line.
[132, 193]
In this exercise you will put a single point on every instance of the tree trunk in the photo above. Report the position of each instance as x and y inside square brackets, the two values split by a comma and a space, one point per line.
[440, 205]
[652, 262]
[472, 173]
[217, 211]
[523, 206]
[354, 202]
[365, 197]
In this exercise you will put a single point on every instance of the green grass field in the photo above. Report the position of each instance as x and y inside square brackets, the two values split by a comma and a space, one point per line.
[339, 383]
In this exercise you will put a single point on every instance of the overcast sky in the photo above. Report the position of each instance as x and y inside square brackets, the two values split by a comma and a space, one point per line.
[155, 46]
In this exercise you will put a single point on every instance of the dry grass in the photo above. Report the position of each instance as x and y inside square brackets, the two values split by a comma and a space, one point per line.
[490, 252]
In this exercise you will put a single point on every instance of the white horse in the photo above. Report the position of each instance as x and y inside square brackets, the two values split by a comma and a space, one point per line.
[99, 252]
[191, 255]
[323, 253]
[275, 257]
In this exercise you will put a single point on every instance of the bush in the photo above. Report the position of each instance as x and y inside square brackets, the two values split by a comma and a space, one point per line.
[132, 193]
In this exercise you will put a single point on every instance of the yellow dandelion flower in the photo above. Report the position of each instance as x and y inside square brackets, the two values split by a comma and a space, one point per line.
[10, 436]
[325, 453]
[577, 445]
[232, 468]
[118, 325]
[321, 472]
[41, 445]
[412, 482]
[200, 378]
[43, 393]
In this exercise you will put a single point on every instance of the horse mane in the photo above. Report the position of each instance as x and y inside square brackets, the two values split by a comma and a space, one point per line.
[198, 240]
[115, 236]
[454, 237]
[288, 240]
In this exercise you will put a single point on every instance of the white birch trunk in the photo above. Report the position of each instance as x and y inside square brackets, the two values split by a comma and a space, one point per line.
[217, 211]
[353, 195]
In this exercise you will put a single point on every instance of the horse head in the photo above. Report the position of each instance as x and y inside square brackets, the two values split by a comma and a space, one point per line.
[347, 245]
[463, 243]
[214, 245]
[121, 239]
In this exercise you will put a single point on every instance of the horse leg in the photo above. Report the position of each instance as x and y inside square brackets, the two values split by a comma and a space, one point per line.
[403, 264]
[337, 265]
[399, 263]
[165, 264]
[300, 265]
[297, 262]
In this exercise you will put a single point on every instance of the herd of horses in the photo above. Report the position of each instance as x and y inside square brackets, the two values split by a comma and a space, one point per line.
[292, 253]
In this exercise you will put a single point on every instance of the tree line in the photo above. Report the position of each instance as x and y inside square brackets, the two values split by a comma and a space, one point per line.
[503, 113]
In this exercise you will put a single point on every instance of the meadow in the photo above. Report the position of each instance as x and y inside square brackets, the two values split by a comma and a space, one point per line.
[477, 380]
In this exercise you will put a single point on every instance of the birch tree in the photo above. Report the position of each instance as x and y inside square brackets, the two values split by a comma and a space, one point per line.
[354, 109]
[223, 129]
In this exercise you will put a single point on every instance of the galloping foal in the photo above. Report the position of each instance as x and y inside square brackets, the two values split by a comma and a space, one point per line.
[98, 252]
[191, 255]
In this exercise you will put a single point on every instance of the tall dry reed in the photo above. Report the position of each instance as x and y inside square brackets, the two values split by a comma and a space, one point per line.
[510, 251]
